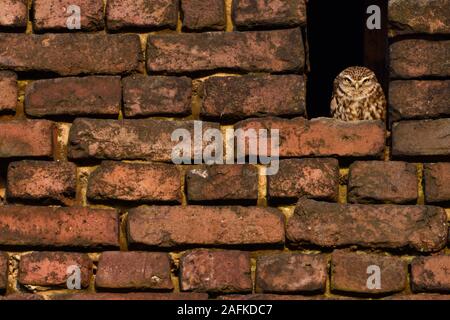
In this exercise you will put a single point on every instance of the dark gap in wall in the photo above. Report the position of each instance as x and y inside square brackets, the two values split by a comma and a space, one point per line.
[335, 37]
[3, 174]
[338, 38]
[415, 36]
[376, 47]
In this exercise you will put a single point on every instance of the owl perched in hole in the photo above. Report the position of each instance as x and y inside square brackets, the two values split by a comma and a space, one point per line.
[357, 95]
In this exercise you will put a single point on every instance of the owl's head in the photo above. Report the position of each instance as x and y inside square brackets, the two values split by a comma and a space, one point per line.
[356, 80]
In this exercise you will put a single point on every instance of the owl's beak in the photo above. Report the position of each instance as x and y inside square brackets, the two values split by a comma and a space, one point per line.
[357, 86]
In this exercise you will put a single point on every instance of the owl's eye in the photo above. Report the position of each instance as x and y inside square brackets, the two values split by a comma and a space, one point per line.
[347, 81]
[366, 81]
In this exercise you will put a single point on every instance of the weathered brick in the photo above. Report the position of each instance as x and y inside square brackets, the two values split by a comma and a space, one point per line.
[21, 297]
[26, 138]
[156, 95]
[422, 296]
[419, 58]
[127, 139]
[140, 182]
[222, 182]
[378, 181]
[431, 273]
[436, 182]
[321, 137]
[58, 227]
[8, 92]
[316, 178]
[42, 181]
[3, 271]
[134, 270]
[263, 51]
[422, 228]
[431, 138]
[132, 296]
[53, 15]
[246, 96]
[350, 272]
[290, 273]
[13, 14]
[71, 54]
[215, 271]
[275, 13]
[141, 14]
[419, 99]
[168, 226]
[51, 268]
[432, 17]
[283, 297]
[260, 297]
[203, 15]
[85, 96]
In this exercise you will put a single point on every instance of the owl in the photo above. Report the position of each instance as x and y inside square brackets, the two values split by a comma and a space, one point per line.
[357, 95]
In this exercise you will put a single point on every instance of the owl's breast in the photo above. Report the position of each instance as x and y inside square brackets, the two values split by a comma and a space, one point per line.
[355, 108]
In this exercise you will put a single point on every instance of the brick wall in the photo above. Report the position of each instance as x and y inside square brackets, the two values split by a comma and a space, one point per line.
[86, 177]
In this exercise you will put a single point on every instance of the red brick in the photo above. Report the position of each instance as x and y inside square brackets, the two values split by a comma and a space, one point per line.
[26, 138]
[290, 273]
[8, 92]
[322, 136]
[21, 297]
[134, 270]
[215, 271]
[58, 227]
[135, 182]
[316, 178]
[42, 181]
[350, 272]
[436, 182]
[419, 99]
[285, 297]
[156, 95]
[415, 58]
[168, 226]
[127, 139]
[379, 181]
[420, 297]
[13, 14]
[431, 274]
[86, 96]
[246, 96]
[260, 297]
[260, 51]
[422, 228]
[430, 17]
[3, 271]
[141, 14]
[71, 54]
[132, 296]
[51, 268]
[223, 182]
[52, 15]
[274, 13]
[203, 15]
[431, 138]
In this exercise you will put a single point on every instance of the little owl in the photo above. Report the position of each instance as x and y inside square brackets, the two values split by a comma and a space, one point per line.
[357, 95]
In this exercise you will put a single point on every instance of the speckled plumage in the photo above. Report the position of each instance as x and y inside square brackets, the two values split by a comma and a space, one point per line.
[357, 95]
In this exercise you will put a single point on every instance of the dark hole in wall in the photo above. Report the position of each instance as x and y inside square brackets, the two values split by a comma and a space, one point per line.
[3, 173]
[337, 39]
